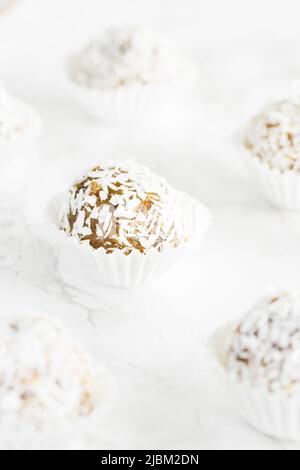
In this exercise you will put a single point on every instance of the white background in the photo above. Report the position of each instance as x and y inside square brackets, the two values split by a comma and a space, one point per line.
[152, 338]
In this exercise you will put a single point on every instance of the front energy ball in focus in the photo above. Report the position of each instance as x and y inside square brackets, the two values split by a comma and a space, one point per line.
[129, 222]
[124, 208]
[259, 357]
[47, 382]
[271, 145]
[130, 75]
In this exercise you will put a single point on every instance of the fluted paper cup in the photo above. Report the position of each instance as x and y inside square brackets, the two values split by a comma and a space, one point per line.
[280, 189]
[275, 414]
[136, 104]
[117, 269]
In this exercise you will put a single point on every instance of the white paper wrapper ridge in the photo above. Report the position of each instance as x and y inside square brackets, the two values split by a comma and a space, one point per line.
[135, 105]
[274, 414]
[280, 189]
[64, 434]
[118, 270]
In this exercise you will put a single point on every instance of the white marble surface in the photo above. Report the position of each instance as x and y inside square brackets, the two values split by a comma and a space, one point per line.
[152, 338]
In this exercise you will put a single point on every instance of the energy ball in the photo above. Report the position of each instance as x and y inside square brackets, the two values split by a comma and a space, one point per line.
[274, 137]
[126, 57]
[43, 373]
[124, 207]
[264, 349]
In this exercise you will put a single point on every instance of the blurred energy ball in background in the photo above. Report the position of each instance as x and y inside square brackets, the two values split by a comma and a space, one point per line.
[5, 4]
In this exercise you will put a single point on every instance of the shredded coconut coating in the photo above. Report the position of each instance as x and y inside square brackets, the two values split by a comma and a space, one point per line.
[265, 346]
[274, 136]
[127, 57]
[124, 207]
[43, 374]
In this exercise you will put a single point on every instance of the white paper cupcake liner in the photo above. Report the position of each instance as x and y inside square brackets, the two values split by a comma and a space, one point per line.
[275, 414]
[135, 105]
[280, 189]
[66, 433]
[117, 269]
[17, 156]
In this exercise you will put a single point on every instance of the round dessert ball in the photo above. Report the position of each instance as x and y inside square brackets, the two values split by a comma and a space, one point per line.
[124, 57]
[264, 348]
[43, 374]
[274, 136]
[124, 207]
